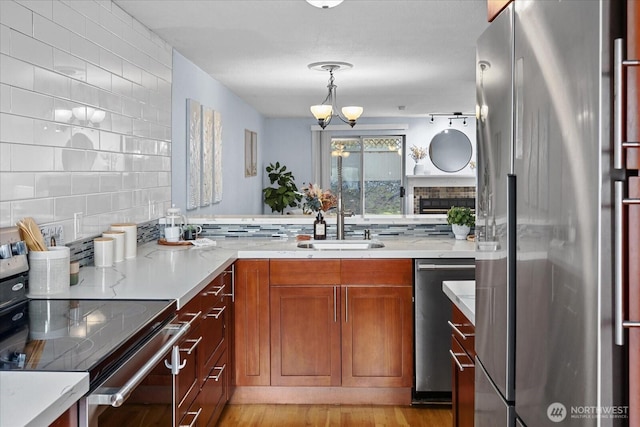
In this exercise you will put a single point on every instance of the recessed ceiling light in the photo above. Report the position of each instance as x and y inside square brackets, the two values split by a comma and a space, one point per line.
[324, 4]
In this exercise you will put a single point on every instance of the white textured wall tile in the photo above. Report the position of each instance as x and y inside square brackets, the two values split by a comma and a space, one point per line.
[31, 50]
[31, 158]
[84, 48]
[5, 39]
[65, 207]
[51, 83]
[53, 184]
[69, 65]
[16, 73]
[51, 33]
[41, 7]
[82, 57]
[69, 18]
[98, 203]
[5, 215]
[16, 16]
[83, 183]
[5, 98]
[110, 182]
[41, 210]
[16, 129]
[17, 185]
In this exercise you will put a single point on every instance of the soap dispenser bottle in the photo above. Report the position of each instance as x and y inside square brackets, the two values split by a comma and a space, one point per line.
[319, 228]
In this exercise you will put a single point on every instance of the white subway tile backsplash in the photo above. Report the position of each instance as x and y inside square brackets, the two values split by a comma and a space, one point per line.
[69, 65]
[16, 129]
[51, 33]
[53, 184]
[69, 18]
[41, 210]
[61, 61]
[41, 7]
[16, 16]
[5, 39]
[84, 183]
[98, 203]
[27, 103]
[51, 83]
[84, 48]
[110, 141]
[99, 77]
[65, 207]
[15, 72]
[31, 158]
[110, 182]
[5, 98]
[31, 50]
[17, 185]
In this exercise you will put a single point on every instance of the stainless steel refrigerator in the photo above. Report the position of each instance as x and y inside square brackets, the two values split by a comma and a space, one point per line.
[544, 286]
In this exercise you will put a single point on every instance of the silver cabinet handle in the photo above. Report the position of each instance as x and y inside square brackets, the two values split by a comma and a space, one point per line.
[216, 292]
[218, 312]
[455, 326]
[120, 396]
[335, 300]
[233, 283]
[346, 304]
[429, 267]
[461, 366]
[195, 418]
[193, 347]
[618, 102]
[618, 251]
[221, 370]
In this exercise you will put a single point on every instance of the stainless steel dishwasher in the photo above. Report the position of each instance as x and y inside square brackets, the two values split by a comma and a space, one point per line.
[432, 332]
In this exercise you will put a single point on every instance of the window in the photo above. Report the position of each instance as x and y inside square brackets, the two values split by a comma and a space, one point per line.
[372, 174]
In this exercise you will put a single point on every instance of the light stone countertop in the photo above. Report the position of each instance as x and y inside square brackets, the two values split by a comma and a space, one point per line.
[180, 273]
[39, 398]
[463, 294]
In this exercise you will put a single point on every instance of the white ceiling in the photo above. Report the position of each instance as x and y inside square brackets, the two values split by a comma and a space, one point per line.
[419, 54]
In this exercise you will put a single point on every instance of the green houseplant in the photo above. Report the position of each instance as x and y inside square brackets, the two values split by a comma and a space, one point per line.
[285, 193]
[461, 220]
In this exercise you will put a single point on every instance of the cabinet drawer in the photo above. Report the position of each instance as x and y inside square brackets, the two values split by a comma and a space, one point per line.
[464, 331]
[304, 272]
[187, 384]
[377, 271]
[213, 394]
[193, 416]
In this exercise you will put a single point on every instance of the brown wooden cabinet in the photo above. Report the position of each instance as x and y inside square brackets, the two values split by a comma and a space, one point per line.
[463, 369]
[341, 322]
[251, 340]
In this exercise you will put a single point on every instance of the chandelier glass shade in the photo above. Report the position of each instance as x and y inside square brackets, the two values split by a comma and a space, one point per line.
[327, 110]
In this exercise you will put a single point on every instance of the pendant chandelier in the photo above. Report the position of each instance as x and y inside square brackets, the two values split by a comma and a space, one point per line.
[327, 110]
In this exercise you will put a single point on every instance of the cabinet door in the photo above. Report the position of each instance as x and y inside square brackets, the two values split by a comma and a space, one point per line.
[251, 341]
[377, 331]
[305, 336]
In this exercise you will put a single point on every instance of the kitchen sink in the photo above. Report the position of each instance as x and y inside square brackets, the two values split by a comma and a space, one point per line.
[340, 244]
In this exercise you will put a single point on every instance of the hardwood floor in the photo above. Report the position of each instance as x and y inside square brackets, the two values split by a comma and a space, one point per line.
[335, 415]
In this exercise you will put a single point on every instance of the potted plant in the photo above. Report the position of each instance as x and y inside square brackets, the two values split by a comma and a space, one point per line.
[285, 194]
[461, 220]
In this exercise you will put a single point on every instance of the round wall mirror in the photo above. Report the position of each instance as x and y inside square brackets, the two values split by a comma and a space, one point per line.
[450, 150]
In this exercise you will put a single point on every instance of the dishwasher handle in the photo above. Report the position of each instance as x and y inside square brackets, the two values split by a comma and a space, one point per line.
[433, 267]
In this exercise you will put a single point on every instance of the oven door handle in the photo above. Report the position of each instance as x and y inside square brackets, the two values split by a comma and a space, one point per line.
[117, 398]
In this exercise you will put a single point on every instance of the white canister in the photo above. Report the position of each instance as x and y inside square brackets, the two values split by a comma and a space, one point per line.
[118, 243]
[103, 252]
[130, 238]
[49, 271]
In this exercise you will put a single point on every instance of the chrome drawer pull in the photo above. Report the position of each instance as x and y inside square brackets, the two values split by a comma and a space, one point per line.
[218, 312]
[193, 347]
[217, 377]
[460, 365]
[455, 326]
[195, 418]
[630, 324]
[216, 292]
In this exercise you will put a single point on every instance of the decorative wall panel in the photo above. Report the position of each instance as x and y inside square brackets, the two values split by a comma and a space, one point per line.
[194, 153]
